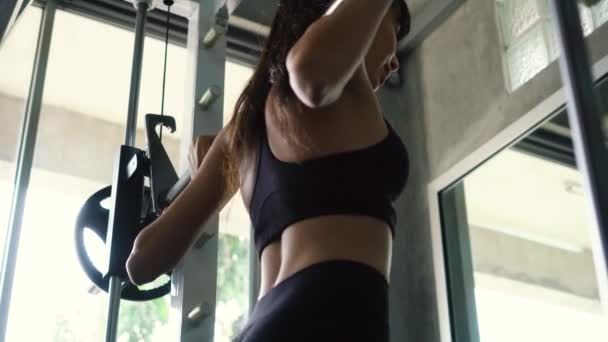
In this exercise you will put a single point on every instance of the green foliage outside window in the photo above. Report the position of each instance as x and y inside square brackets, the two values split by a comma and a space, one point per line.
[139, 320]
[232, 283]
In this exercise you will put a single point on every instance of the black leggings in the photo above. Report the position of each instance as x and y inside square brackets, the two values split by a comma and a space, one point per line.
[337, 300]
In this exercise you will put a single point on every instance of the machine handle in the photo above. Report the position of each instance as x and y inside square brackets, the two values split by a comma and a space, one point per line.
[178, 187]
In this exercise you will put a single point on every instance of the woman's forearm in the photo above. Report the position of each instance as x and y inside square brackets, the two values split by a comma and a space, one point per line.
[333, 47]
[148, 260]
[161, 245]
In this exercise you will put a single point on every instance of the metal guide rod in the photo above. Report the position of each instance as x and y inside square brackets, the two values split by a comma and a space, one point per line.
[585, 122]
[25, 156]
[178, 187]
[115, 286]
[138, 54]
[114, 290]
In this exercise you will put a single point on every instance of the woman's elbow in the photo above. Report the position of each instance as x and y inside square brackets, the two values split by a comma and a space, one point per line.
[314, 95]
[137, 273]
[142, 270]
[312, 87]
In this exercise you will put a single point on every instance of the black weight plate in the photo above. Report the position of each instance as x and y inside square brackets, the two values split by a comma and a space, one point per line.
[95, 217]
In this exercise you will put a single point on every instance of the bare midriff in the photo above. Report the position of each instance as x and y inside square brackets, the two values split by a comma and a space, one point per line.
[361, 239]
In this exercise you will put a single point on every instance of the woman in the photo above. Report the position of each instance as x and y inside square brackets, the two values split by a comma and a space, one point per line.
[318, 167]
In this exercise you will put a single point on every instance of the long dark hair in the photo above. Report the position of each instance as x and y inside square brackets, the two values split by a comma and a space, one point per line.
[292, 19]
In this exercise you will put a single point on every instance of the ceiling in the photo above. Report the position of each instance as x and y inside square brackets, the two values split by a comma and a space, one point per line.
[426, 15]
[262, 11]
[529, 197]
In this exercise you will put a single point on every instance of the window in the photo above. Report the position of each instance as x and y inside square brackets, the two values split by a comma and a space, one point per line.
[528, 40]
[17, 48]
[518, 249]
[233, 279]
[82, 125]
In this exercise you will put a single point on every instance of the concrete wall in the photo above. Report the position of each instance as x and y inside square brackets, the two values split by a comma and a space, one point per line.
[69, 142]
[75, 154]
[454, 100]
[530, 262]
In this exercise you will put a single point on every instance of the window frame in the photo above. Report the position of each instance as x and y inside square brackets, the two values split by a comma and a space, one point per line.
[458, 283]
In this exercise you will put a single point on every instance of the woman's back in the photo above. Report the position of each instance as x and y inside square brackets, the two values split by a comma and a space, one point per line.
[353, 122]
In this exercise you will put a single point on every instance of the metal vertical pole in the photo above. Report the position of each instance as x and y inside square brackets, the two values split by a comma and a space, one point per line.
[138, 54]
[586, 126]
[25, 157]
[195, 279]
[113, 309]
[115, 286]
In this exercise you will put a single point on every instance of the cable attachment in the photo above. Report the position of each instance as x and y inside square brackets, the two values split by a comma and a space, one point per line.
[149, 4]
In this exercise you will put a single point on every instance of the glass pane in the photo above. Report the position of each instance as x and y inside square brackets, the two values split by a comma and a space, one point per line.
[530, 40]
[587, 22]
[600, 12]
[234, 239]
[527, 57]
[523, 14]
[531, 248]
[81, 128]
[16, 62]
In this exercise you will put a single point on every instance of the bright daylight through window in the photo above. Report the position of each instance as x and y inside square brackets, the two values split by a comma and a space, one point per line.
[82, 125]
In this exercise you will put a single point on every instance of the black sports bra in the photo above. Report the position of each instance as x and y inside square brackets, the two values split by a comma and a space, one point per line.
[364, 181]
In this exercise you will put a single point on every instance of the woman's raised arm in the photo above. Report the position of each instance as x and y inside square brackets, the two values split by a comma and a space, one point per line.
[326, 57]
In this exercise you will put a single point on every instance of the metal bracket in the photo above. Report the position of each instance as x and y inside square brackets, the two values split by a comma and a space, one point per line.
[162, 173]
[200, 313]
[149, 3]
[218, 29]
[211, 95]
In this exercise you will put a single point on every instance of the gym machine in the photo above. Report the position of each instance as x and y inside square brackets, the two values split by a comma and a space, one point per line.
[133, 205]
[144, 181]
